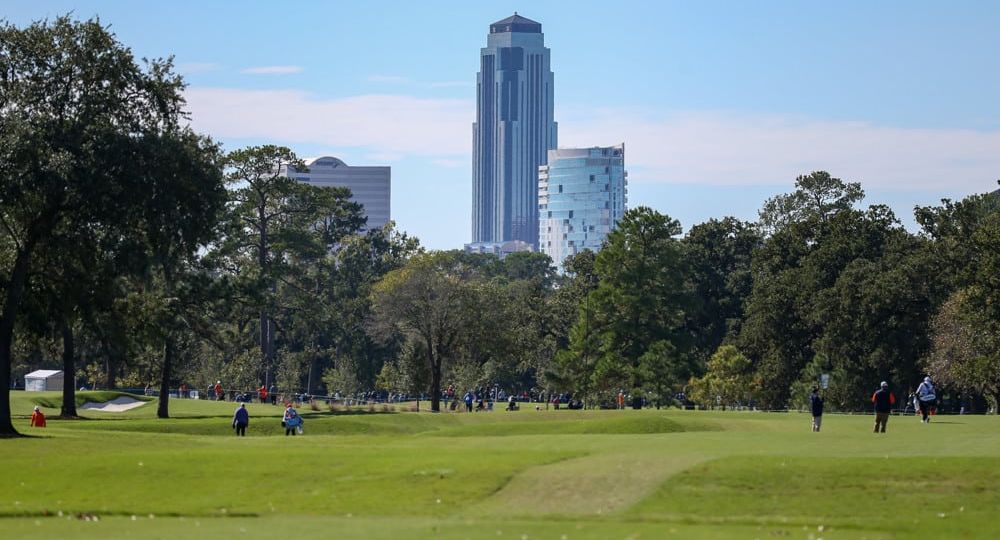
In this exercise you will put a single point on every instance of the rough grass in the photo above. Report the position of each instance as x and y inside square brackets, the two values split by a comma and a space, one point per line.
[534, 474]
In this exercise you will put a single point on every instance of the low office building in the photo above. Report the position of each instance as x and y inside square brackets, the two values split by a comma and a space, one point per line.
[581, 197]
[500, 249]
[370, 186]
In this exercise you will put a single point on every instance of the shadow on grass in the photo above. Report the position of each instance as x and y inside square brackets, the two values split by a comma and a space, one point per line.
[88, 516]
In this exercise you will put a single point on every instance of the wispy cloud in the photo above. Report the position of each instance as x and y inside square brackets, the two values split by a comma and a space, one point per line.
[736, 149]
[710, 148]
[406, 81]
[383, 157]
[450, 163]
[380, 124]
[197, 67]
[271, 70]
[449, 84]
[388, 79]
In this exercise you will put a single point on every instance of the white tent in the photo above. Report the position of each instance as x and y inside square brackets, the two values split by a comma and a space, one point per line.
[43, 379]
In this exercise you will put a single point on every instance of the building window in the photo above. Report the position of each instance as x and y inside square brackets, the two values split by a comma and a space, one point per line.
[571, 214]
[560, 188]
[591, 178]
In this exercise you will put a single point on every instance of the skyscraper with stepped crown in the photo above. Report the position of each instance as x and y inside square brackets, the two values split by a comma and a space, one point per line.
[513, 131]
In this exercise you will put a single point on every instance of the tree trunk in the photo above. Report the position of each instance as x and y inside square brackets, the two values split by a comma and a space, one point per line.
[168, 359]
[265, 328]
[110, 367]
[435, 381]
[12, 303]
[69, 371]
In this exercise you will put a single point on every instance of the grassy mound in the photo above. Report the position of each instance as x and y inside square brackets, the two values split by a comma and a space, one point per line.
[582, 423]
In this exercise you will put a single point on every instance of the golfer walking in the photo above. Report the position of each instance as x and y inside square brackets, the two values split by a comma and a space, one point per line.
[926, 398]
[817, 408]
[883, 400]
[241, 419]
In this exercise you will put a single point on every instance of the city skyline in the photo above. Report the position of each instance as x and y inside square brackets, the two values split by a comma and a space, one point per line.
[721, 104]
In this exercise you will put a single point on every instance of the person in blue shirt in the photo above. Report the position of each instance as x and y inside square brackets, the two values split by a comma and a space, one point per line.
[816, 403]
[291, 420]
[241, 419]
[468, 398]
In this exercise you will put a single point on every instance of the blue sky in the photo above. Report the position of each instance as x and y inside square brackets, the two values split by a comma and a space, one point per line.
[720, 104]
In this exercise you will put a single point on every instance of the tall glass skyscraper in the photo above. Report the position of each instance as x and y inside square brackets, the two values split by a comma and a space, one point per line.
[513, 131]
[581, 198]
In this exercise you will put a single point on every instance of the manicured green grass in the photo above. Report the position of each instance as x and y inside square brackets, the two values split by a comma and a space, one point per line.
[525, 474]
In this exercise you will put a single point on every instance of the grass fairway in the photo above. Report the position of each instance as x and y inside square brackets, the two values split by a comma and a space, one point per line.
[528, 474]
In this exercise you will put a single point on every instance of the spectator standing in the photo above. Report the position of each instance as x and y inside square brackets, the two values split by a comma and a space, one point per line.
[262, 393]
[218, 391]
[621, 400]
[816, 403]
[467, 398]
[926, 398]
[37, 417]
[883, 400]
[241, 419]
[273, 392]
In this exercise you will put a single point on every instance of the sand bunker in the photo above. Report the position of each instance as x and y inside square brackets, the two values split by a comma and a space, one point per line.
[119, 404]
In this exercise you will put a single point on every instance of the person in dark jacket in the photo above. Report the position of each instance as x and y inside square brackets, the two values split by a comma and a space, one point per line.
[883, 400]
[817, 408]
[241, 419]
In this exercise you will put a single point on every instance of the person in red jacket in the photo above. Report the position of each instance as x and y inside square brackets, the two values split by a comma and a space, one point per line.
[262, 393]
[883, 400]
[38, 418]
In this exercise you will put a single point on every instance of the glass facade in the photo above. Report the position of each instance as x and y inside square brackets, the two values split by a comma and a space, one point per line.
[514, 129]
[582, 196]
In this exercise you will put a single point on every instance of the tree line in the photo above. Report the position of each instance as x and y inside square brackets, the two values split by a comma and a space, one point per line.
[136, 251]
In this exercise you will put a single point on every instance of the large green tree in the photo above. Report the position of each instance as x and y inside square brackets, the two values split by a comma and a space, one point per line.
[631, 326]
[278, 228]
[719, 254]
[428, 302]
[74, 104]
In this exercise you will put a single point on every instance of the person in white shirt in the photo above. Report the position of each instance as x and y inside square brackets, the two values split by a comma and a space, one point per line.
[926, 397]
